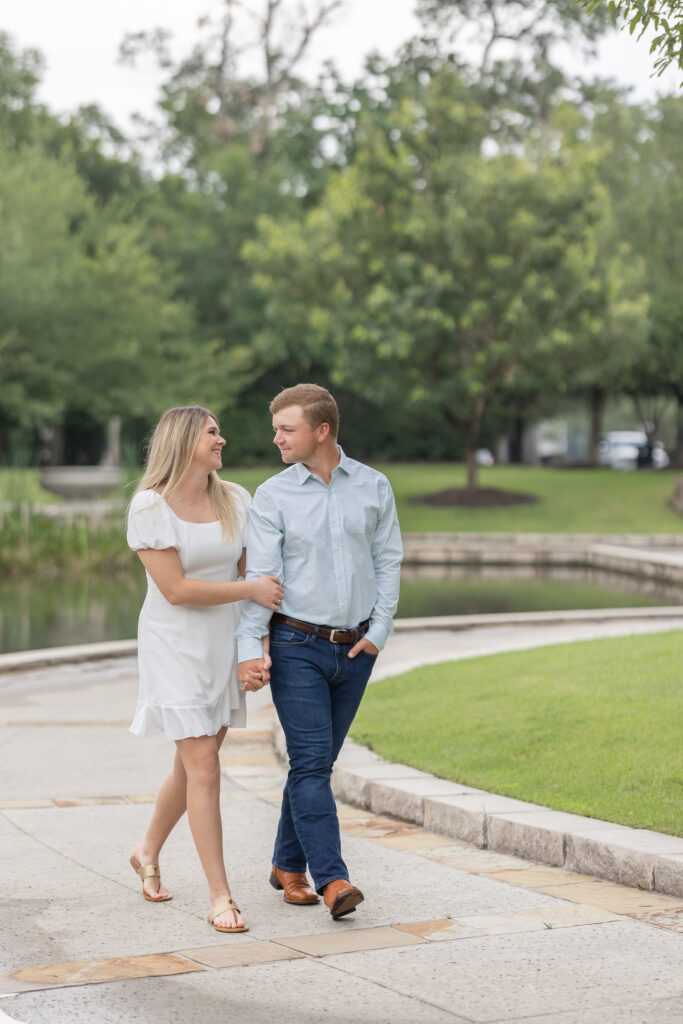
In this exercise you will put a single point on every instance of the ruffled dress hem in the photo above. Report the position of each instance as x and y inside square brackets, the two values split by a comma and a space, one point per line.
[184, 723]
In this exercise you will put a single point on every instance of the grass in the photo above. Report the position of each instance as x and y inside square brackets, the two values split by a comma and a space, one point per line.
[571, 501]
[593, 728]
[574, 501]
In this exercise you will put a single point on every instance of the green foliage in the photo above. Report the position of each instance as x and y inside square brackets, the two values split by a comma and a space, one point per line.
[30, 542]
[19, 75]
[478, 271]
[590, 728]
[86, 318]
[663, 17]
[449, 247]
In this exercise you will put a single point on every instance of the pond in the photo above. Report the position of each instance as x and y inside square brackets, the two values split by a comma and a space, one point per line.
[54, 612]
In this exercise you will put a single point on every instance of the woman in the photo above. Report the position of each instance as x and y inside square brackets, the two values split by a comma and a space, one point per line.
[189, 530]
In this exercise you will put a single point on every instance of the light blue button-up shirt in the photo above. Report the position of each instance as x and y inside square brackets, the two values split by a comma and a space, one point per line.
[336, 548]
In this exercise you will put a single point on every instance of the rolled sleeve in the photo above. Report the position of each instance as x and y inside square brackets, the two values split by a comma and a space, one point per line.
[387, 554]
[264, 558]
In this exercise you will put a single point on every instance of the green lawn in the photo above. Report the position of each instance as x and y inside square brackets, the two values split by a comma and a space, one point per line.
[571, 501]
[592, 728]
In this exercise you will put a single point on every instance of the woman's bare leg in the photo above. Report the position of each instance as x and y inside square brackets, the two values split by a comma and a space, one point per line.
[199, 756]
[169, 808]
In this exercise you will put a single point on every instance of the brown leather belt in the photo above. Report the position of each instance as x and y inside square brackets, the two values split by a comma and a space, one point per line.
[337, 636]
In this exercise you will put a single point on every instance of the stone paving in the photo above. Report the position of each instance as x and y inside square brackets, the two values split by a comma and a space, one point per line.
[448, 932]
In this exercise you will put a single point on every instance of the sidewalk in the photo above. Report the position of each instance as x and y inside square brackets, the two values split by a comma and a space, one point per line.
[449, 932]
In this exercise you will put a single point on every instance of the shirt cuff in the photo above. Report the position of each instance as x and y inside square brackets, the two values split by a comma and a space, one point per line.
[377, 634]
[249, 647]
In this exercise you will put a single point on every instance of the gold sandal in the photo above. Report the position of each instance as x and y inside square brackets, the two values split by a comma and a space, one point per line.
[148, 871]
[219, 909]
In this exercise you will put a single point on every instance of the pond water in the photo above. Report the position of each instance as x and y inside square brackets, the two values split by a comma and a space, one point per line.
[54, 612]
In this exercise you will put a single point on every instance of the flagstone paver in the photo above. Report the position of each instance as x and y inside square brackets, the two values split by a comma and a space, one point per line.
[617, 898]
[242, 955]
[511, 923]
[351, 941]
[115, 969]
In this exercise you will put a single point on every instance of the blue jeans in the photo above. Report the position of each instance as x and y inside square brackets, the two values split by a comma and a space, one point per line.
[316, 690]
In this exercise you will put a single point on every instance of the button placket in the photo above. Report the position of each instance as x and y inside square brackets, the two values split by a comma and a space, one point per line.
[337, 555]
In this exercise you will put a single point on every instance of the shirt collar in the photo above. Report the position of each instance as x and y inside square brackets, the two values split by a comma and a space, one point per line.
[302, 473]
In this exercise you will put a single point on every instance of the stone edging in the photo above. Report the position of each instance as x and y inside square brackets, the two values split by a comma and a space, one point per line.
[23, 661]
[612, 554]
[588, 846]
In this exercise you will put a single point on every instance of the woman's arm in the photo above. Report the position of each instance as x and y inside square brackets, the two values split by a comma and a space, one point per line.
[167, 572]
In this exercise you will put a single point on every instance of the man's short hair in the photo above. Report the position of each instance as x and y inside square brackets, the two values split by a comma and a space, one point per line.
[317, 404]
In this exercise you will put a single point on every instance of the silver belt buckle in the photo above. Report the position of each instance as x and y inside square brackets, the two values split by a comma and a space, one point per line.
[332, 632]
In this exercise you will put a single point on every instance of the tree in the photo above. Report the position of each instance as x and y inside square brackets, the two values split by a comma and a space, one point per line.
[528, 26]
[237, 81]
[641, 165]
[20, 73]
[663, 17]
[87, 321]
[432, 273]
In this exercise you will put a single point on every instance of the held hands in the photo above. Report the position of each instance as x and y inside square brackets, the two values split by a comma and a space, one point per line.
[363, 645]
[254, 674]
[266, 590]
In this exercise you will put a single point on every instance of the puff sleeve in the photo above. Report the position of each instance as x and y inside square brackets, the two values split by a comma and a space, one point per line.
[150, 523]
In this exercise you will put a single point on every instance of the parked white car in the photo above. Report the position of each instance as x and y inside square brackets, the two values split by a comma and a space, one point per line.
[628, 449]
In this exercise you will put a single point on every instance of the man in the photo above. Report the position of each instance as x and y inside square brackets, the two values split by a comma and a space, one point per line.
[327, 528]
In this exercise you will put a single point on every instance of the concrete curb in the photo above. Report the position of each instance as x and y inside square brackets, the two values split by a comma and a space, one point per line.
[23, 661]
[555, 618]
[588, 846]
[659, 559]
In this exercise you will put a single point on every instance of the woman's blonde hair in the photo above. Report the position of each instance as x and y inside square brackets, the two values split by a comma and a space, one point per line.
[169, 456]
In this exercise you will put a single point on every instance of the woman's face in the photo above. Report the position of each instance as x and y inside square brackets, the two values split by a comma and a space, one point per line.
[208, 453]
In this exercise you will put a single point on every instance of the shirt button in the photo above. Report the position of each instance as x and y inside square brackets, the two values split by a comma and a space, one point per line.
[339, 575]
[337, 548]
[334, 520]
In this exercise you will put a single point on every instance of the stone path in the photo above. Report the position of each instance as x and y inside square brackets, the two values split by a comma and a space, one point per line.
[448, 933]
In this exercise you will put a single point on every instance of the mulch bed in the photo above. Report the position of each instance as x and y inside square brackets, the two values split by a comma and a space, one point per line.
[480, 497]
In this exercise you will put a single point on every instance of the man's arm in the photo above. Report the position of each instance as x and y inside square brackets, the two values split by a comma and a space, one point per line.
[387, 553]
[264, 547]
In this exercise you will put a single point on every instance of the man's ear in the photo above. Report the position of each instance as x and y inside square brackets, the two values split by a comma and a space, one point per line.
[323, 432]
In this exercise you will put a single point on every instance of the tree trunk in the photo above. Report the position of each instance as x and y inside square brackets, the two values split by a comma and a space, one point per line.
[517, 441]
[473, 429]
[677, 458]
[597, 409]
[56, 445]
[112, 453]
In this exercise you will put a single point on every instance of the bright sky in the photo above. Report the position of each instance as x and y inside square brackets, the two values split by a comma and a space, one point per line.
[80, 40]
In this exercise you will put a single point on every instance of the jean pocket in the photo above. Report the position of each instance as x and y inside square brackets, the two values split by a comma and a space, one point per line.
[283, 636]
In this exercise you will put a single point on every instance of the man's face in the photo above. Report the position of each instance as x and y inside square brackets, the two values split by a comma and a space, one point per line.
[297, 440]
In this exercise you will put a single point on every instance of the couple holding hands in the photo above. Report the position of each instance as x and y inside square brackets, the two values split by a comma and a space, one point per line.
[296, 589]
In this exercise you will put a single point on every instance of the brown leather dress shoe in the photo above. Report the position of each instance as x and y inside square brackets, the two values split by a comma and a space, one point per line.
[295, 884]
[341, 897]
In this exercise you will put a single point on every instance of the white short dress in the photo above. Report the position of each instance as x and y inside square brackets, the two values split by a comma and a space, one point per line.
[187, 656]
